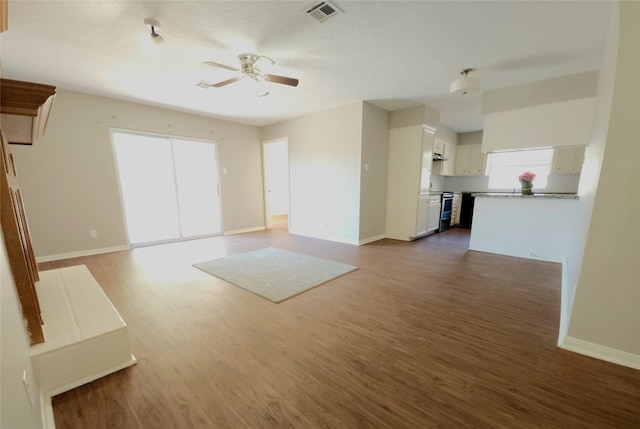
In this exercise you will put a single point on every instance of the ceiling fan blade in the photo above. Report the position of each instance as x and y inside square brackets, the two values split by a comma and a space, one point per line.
[226, 82]
[222, 66]
[281, 79]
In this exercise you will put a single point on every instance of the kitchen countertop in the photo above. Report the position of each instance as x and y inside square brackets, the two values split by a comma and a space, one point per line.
[518, 195]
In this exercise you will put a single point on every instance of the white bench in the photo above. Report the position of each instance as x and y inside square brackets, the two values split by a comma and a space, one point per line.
[85, 336]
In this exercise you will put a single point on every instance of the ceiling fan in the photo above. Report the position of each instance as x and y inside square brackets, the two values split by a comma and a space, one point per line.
[252, 67]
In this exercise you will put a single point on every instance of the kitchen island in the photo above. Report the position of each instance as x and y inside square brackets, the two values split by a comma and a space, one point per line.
[539, 226]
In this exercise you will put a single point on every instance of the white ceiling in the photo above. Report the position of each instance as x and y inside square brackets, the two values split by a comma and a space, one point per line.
[394, 53]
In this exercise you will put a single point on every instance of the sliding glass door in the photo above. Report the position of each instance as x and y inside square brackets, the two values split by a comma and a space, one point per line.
[169, 187]
[196, 172]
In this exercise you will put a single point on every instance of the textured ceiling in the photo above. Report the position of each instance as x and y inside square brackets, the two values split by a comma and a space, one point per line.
[394, 53]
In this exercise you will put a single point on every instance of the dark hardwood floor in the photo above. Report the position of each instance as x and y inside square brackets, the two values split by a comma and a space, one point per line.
[423, 335]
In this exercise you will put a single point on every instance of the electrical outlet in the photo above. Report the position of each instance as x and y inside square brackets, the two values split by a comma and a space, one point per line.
[93, 233]
[27, 387]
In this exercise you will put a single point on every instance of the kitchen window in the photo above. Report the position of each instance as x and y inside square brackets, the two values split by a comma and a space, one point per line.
[504, 168]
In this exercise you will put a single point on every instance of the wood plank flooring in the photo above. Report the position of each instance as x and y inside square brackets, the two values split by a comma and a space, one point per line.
[423, 335]
[280, 222]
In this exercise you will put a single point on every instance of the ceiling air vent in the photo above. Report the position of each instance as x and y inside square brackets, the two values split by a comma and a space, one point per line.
[322, 10]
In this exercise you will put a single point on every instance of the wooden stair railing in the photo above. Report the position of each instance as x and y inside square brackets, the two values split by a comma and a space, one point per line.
[18, 243]
[24, 110]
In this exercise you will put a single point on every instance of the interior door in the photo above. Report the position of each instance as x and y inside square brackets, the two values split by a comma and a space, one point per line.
[276, 177]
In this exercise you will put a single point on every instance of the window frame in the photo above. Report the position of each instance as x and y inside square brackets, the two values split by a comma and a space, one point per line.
[541, 167]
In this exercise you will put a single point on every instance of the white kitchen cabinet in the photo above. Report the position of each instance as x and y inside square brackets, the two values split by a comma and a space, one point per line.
[422, 221]
[408, 181]
[447, 167]
[456, 205]
[470, 160]
[438, 146]
[567, 160]
[434, 213]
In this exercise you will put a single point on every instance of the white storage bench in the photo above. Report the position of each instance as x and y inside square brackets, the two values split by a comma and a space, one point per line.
[85, 337]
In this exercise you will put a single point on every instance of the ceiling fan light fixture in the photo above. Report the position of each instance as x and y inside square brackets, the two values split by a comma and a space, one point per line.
[260, 89]
[251, 70]
[263, 64]
[466, 85]
[154, 25]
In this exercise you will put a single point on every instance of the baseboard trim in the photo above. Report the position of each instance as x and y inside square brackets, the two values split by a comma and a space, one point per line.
[372, 239]
[601, 352]
[244, 230]
[81, 253]
[326, 238]
[565, 307]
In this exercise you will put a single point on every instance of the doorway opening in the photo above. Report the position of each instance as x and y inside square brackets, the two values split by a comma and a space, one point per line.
[276, 180]
[169, 187]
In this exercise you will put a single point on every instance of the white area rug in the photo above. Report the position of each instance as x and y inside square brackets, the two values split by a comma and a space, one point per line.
[275, 274]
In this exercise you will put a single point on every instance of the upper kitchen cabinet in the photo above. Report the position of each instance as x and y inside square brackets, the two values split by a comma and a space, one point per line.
[470, 160]
[438, 146]
[24, 110]
[447, 166]
[567, 160]
[408, 181]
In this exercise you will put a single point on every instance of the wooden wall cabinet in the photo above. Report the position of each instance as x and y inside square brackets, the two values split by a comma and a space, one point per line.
[24, 110]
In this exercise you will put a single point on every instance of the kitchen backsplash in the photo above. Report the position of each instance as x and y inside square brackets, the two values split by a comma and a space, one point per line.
[556, 183]
[437, 183]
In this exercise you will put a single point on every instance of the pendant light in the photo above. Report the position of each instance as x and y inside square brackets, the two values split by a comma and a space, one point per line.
[153, 25]
[467, 85]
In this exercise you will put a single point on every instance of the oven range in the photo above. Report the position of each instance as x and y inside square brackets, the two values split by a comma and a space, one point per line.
[445, 211]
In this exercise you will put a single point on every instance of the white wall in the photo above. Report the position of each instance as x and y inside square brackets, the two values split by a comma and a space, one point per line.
[532, 228]
[15, 410]
[565, 123]
[373, 188]
[570, 87]
[474, 137]
[605, 318]
[324, 160]
[553, 112]
[69, 179]
[418, 115]
[447, 134]
[590, 175]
